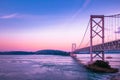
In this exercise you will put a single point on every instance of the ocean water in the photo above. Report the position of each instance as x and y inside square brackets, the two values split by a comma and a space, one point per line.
[114, 62]
[51, 67]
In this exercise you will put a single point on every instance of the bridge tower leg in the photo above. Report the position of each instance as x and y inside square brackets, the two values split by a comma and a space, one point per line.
[96, 30]
[73, 47]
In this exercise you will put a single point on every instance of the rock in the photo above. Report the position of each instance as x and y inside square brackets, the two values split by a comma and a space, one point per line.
[101, 66]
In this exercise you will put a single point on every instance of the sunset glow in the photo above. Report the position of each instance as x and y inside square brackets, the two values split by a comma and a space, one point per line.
[33, 25]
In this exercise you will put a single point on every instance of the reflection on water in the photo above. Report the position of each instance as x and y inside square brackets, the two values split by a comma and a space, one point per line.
[114, 62]
[39, 67]
[49, 67]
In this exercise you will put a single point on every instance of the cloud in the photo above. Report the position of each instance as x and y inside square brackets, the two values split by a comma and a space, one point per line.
[22, 16]
[77, 13]
[118, 31]
[14, 15]
[86, 3]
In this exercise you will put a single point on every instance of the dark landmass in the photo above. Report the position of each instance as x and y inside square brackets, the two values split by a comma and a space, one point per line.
[52, 52]
[40, 52]
[16, 53]
[102, 67]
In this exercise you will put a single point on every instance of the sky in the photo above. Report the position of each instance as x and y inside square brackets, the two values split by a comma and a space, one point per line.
[31, 25]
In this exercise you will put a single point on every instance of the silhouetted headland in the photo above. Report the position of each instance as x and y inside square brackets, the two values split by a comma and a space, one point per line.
[39, 52]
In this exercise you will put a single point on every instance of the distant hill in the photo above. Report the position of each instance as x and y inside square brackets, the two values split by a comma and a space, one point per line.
[52, 52]
[16, 53]
[43, 52]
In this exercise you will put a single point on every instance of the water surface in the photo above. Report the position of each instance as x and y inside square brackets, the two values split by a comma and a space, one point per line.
[50, 67]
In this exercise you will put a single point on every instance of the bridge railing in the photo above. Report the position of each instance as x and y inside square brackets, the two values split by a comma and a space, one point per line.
[112, 45]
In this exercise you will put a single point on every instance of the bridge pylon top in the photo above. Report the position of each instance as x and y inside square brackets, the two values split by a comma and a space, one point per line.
[97, 16]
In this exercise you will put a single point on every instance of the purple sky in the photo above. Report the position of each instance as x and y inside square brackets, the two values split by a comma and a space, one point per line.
[48, 24]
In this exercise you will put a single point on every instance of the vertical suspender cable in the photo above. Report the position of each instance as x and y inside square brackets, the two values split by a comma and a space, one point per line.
[109, 28]
[107, 32]
[115, 28]
[112, 36]
[119, 27]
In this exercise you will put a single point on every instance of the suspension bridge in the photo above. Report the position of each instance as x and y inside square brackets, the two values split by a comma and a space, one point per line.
[104, 35]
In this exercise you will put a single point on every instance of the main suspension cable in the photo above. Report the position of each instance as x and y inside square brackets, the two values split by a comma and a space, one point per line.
[84, 35]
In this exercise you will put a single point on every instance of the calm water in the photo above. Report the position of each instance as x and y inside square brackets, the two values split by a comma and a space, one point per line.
[50, 67]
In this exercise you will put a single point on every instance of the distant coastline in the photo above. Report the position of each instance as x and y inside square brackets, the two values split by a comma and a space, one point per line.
[51, 52]
[40, 52]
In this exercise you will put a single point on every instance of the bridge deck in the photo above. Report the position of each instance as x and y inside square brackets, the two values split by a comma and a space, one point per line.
[112, 45]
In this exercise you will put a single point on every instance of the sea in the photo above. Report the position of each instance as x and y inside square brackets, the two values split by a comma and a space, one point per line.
[52, 67]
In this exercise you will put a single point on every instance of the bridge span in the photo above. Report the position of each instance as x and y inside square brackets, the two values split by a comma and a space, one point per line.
[97, 32]
[112, 45]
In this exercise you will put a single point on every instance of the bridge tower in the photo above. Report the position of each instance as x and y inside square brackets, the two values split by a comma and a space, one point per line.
[96, 30]
[73, 46]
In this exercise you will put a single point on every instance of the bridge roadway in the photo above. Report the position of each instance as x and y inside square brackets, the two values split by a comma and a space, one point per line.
[112, 45]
